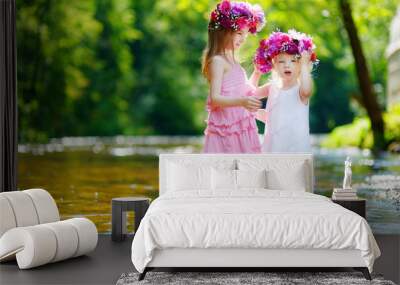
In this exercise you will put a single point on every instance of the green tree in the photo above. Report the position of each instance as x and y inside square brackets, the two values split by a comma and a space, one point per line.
[52, 39]
[369, 100]
[105, 108]
[171, 93]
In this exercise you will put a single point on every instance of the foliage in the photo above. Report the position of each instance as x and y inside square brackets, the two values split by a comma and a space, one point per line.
[105, 106]
[359, 134]
[170, 96]
[53, 38]
[107, 67]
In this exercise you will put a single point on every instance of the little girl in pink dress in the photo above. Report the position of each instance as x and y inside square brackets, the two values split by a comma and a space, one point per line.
[231, 104]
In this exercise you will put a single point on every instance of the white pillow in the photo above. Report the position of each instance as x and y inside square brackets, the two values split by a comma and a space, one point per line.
[282, 174]
[223, 179]
[251, 178]
[293, 179]
[182, 177]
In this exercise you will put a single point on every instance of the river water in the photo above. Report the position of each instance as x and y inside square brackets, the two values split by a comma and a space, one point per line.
[83, 174]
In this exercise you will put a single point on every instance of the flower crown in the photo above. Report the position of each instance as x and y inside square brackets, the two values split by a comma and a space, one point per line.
[236, 16]
[292, 42]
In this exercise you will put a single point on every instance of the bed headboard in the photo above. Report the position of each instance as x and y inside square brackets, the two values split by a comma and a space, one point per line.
[218, 159]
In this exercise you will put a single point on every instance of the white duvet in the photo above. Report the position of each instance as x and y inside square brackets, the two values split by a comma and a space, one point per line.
[254, 218]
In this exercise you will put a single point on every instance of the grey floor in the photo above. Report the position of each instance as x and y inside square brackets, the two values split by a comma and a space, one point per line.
[102, 266]
[111, 259]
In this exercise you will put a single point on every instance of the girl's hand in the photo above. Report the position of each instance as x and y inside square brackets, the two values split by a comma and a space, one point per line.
[305, 57]
[305, 61]
[252, 104]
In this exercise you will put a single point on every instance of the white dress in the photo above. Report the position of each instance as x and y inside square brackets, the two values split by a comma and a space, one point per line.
[286, 125]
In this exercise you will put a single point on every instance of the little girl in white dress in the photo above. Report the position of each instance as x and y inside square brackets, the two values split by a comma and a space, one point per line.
[286, 114]
[286, 121]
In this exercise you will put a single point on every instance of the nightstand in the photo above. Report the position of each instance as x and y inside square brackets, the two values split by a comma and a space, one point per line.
[119, 208]
[357, 205]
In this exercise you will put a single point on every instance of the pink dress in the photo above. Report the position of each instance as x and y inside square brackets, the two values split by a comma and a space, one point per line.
[232, 129]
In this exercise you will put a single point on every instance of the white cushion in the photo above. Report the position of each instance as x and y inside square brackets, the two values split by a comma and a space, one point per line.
[288, 174]
[67, 240]
[292, 179]
[23, 208]
[251, 178]
[87, 233]
[188, 174]
[182, 177]
[45, 205]
[231, 180]
[223, 179]
[7, 218]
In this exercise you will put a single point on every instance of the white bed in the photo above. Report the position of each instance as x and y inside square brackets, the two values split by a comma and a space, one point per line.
[203, 220]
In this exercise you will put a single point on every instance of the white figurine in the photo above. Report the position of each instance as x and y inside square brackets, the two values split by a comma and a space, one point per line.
[347, 174]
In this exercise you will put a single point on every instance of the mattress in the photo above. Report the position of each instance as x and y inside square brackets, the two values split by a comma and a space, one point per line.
[250, 219]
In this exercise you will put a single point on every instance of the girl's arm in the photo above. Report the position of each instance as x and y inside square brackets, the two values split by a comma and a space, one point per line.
[263, 91]
[217, 68]
[306, 83]
[255, 77]
[261, 115]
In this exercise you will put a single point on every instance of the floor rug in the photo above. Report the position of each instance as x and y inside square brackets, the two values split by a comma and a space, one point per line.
[243, 278]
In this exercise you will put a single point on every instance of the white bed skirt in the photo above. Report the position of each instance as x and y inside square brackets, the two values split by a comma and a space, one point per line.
[193, 257]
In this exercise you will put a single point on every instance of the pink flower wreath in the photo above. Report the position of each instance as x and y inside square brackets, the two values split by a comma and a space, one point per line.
[237, 16]
[292, 42]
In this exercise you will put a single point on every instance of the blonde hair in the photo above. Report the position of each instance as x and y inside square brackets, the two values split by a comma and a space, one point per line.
[218, 41]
